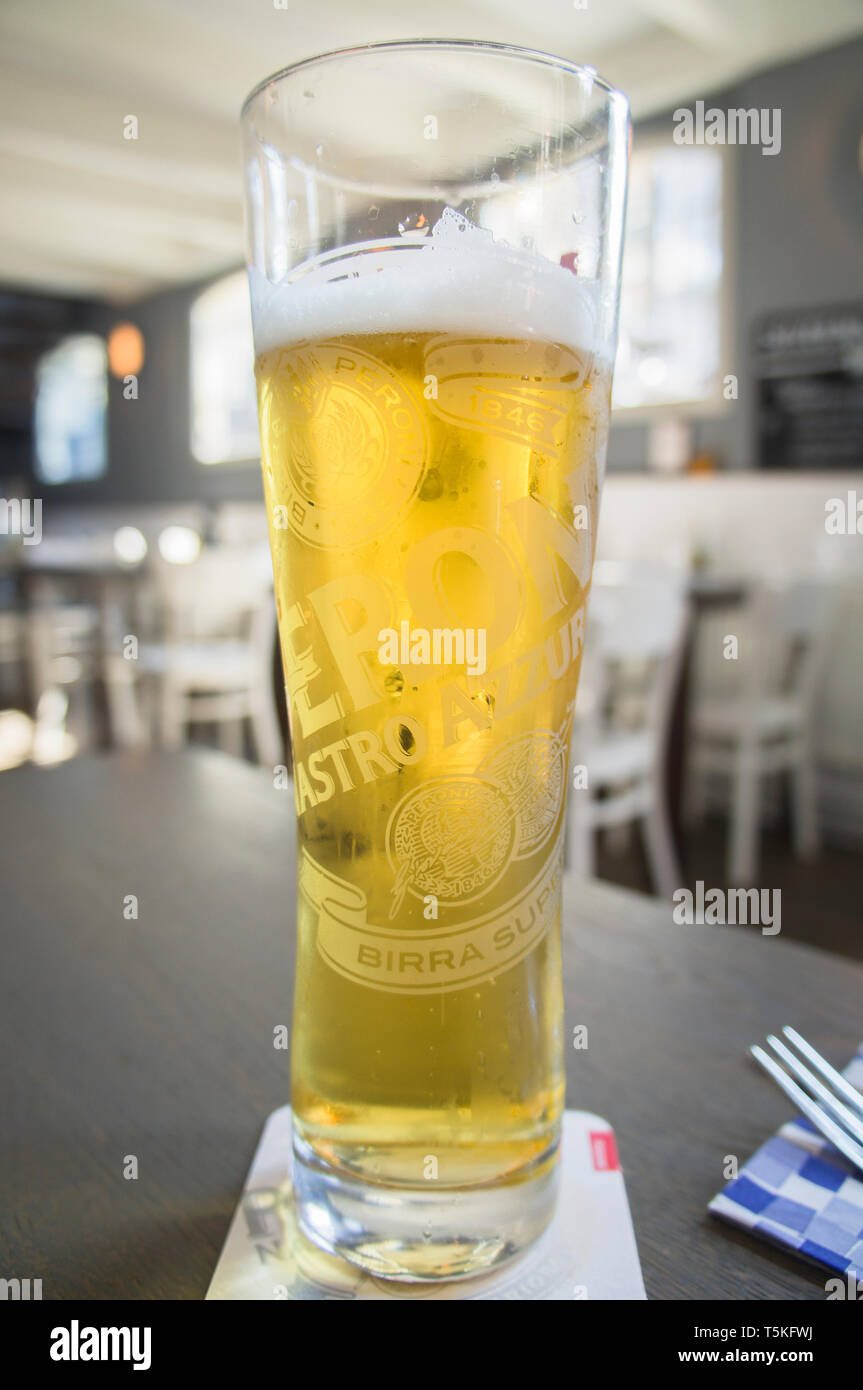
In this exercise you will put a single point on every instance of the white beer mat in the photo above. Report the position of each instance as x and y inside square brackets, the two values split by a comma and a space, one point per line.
[588, 1251]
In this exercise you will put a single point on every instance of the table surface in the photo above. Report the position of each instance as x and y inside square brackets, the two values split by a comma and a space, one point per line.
[153, 1037]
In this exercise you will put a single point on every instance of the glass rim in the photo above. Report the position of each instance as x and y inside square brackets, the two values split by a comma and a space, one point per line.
[532, 55]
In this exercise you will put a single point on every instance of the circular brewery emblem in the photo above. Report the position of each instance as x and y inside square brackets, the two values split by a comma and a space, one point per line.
[452, 837]
[353, 441]
[531, 768]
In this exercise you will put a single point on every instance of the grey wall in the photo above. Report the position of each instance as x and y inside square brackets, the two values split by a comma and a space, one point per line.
[797, 228]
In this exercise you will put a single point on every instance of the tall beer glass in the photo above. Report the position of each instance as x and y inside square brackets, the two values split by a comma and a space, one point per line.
[434, 233]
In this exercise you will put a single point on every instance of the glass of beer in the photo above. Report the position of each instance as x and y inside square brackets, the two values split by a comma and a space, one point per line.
[434, 235]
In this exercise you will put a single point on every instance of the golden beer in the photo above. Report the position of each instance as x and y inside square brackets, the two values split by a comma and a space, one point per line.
[421, 483]
[433, 236]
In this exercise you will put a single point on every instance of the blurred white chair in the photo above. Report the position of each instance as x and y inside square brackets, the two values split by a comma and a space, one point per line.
[625, 700]
[214, 664]
[63, 659]
[63, 641]
[765, 725]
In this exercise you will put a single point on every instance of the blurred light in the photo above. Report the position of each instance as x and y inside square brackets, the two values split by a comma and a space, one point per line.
[16, 737]
[179, 545]
[52, 708]
[652, 371]
[52, 743]
[53, 746]
[130, 545]
[125, 350]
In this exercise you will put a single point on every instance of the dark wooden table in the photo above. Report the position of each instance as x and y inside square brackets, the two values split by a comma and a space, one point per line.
[153, 1037]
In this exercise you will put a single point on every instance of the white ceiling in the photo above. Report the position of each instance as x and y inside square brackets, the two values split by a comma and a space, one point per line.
[86, 212]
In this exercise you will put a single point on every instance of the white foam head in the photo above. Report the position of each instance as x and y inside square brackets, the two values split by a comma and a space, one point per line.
[458, 280]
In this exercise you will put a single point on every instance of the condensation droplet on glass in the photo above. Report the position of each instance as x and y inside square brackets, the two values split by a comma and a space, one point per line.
[374, 212]
[394, 683]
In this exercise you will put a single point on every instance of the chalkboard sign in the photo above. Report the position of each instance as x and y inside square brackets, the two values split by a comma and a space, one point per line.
[808, 367]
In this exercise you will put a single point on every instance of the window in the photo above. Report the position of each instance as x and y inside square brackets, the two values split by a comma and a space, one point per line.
[224, 411]
[670, 310]
[69, 420]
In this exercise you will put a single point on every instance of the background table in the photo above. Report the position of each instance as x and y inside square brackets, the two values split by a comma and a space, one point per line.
[154, 1037]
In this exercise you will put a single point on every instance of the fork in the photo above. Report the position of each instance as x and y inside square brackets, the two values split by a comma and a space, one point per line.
[839, 1116]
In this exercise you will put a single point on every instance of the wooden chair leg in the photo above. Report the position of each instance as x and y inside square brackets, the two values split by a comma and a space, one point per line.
[171, 715]
[694, 792]
[804, 807]
[580, 836]
[266, 734]
[745, 818]
[230, 733]
[127, 726]
[661, 854]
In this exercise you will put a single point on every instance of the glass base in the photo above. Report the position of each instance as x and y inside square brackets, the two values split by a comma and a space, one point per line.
[421, 1235]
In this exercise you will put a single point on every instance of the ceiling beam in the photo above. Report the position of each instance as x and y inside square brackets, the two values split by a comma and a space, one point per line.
[703, 23]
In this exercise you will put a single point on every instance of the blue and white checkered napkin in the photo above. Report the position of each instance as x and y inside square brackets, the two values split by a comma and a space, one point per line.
[800, 1192]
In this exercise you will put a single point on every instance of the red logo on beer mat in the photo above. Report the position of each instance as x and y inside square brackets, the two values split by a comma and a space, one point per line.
[603, 1151]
